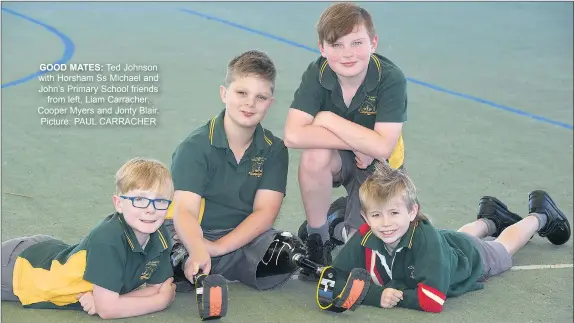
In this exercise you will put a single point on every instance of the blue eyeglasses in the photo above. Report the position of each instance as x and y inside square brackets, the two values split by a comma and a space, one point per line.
[144, 202]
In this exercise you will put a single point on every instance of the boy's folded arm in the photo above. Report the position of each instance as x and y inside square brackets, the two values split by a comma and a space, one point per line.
[111, 305]
[301, 133]
[145, 291]
[378, 143]
[432, 286]
[161, 275]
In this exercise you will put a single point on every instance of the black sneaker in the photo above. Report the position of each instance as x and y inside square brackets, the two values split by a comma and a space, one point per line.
[557, 228]
[335, 215]
[318, 253]
[493, 209]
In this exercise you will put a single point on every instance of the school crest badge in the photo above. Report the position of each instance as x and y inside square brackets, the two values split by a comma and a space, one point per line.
[150, 268]
[369, 106]
[257, 166]
[412, 271]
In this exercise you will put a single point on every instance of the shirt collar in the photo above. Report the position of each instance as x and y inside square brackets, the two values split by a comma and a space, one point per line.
[372, 242]
[218, 137]
[157, 241]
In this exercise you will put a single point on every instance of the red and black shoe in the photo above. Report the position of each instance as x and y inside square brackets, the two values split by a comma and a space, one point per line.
[557, 228]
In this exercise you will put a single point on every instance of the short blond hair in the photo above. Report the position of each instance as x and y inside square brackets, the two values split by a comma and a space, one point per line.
[386, 183]
[340, 19]
[144, 174]
[251, 63]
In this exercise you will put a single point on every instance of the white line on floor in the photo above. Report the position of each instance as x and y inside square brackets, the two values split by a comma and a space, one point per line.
[531, 267]
[526, 267]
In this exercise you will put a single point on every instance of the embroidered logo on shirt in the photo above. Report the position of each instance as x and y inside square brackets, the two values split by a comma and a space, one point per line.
[412, 271]
[257, 166]
[368, 107]
[150, 268]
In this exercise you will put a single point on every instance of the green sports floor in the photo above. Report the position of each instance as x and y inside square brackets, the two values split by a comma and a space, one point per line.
[490, 113]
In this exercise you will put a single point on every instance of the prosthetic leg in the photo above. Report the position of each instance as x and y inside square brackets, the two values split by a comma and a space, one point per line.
[210, 290]
[286, 253]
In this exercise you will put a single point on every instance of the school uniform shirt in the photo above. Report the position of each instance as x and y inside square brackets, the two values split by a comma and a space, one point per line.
[203, 163]
[428, 265]
[382, 97]
[51, 274]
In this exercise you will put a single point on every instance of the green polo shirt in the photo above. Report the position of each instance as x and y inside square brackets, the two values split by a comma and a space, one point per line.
[204, 164]
[50, 274]
[381, 98]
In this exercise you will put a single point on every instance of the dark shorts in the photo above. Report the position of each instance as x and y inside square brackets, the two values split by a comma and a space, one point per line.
[495, 258]
[241, 265]
[352, 177]
[10, 251]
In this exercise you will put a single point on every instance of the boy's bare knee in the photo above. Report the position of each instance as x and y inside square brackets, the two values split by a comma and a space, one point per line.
[315, 160]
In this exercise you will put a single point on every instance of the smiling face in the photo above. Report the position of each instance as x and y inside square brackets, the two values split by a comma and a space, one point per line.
[139, 213]
[247, 100]
[347, 38]
[349, 56]
[389, 203]
[249, 87]
[138, 180]
[390, 221]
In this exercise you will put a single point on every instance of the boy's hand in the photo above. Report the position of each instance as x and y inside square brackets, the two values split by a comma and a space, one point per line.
[391, 297]
[87, 302]
[363, 161]
[199, 258]
[167, 291]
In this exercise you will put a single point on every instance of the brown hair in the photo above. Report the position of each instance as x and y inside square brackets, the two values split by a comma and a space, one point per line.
[144, 174]
[340, 19]
[251, 63]
[386, 183]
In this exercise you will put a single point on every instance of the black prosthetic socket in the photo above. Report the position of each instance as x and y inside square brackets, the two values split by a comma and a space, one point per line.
[178, 257]
[279, 258]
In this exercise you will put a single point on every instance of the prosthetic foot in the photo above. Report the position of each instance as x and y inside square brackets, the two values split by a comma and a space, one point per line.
[210, 290]
[211, 295]
[354, 291]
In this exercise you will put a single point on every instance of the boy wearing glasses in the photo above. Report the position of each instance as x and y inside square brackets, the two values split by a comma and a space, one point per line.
[103, 274]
